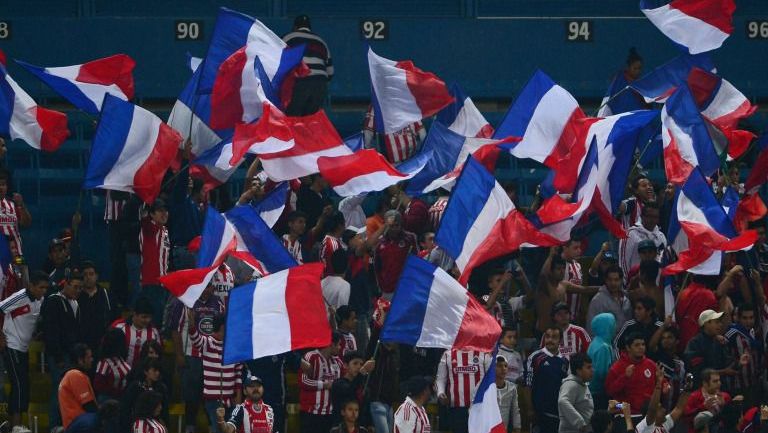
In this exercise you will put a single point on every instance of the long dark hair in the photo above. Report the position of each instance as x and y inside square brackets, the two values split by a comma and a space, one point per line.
[146, 405]
[113, 345]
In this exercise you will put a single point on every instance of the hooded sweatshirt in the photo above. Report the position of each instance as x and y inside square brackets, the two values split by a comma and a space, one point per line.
[637, 389]
[600, 350]
[574, 404]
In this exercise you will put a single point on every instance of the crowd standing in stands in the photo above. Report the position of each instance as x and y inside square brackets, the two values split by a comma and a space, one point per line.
[617, 348]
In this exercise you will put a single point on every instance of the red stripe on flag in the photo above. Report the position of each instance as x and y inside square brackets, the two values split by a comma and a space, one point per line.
[479, 330]
[717, 13]
[338, 170]
[569, 151]
[485, 132]
[117, 69]
[147, 180]
[311, 133]
[307, 312]
[676, 168]
[226, 106]
[702, 84]
[54, 128]
[428, 90]
[751, 208]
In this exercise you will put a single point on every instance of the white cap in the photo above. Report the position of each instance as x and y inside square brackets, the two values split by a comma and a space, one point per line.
[708, 315]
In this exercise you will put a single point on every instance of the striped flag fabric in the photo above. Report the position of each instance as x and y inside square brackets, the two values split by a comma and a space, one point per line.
[364, 171]
[696, 25]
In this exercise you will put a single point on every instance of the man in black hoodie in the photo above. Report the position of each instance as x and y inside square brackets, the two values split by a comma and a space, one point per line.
[61, 331]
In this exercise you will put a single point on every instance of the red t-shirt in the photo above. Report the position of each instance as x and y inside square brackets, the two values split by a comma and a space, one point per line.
[390, 258]
[155, 251]
[690, 303]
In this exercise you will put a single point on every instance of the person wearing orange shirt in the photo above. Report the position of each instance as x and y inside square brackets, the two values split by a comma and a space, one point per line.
[77, 400]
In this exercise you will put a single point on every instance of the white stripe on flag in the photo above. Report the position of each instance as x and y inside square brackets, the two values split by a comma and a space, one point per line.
[546, 125]
[445, 311]
[271, 331]
[496, 207]
[141, 141]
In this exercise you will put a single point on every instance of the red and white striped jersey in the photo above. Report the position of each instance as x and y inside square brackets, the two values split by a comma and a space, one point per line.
[314, 398]
[329, 245]
[205, 311]
[400, 145]
[411, 418]
[459, 374]
[252, 417]
[435, 212]
[294, 248]
[114, 371]
[155, 251]
[113, 208]
[148, 426]
[573, 274]
[348, 343]
[575, 340]
[223, 282]
[9, 221]
[220, 382]
[135, 338]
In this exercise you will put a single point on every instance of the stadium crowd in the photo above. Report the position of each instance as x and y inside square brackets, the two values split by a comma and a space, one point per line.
[597, 344]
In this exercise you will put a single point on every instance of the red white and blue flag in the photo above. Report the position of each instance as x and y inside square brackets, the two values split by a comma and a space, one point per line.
[481, 223]
[719, 101]
[85, 85]
[273, 204]
[131, 151]
[686, 140]
[431, 309]
[289, 147]
[279, 313]
[700, 230]
[365, 171]
[484, 413]
[659, 84]
[403, 94]
[463, 117]
[22, 118]
[252, 73]
[696, 25]
[215, 166]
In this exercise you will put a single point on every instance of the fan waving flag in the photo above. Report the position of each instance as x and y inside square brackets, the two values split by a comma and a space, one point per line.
[697, 25]
[272, 205]
[279, 313]
[463, 118]
[362, 172]
[659, 84]
[719, 101]
[22, 118]
[131, 151]
[217, 240]
[85, 85]
[251, 75]
[484, 413]
[700, 229]
[687, 143]
[431, 309]
[255, 238]
[303, 140]
[481, 223]
[403, 94]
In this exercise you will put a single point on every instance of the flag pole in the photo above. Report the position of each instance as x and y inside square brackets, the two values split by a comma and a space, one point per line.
[368, 376]
[647, 145]
[607, 101]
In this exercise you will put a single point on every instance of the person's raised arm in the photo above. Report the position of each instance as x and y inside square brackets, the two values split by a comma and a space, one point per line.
[653, 405]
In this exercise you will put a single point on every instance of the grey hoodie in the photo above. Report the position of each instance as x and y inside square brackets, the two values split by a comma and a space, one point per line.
[574, 405]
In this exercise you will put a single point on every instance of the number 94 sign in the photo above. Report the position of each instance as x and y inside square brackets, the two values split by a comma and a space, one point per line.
[578, 31]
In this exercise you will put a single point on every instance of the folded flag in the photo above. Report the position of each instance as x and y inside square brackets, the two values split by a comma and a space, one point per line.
[216, 242]
[85, 85]
[449, 151]
[431, 309]
[750, 208]
[730, 202]
[361, 172]
[256, 238]
[193, 62]
[251, 75]
[719, 101]
[462, 117]
[547, 118]
[215, 165]
[279, 313]
[21, 117]
[305, 139]
[272, 205]
[484, 413]
[696, 25]
[403, 94]
[355, 142]
[659, 84]
[618, 99]
[700, 229]
[481, 223]
[131, 151]
[687, 143]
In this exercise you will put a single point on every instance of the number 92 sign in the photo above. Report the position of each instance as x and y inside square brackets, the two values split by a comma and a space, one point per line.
[374, 29]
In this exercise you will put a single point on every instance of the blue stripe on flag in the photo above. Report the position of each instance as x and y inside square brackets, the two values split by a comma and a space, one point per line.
[448, 115]
[109, 141]
[7, 96]
[468, 198]
[445, 146]
[63, 87]
[211, 239]
[518, 116]
[682, 108]
[238, 343]
[229, 35]
[261, 241]
[409, 305]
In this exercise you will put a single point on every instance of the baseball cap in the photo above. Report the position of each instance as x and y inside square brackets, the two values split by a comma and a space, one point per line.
[559, 307]
[646, 244]
[702, 419]
[252, 380]
[708, 315]
[610, 255]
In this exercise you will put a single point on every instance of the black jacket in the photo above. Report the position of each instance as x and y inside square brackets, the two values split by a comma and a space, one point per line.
[704, 352]
[61, 326]
[95, 317]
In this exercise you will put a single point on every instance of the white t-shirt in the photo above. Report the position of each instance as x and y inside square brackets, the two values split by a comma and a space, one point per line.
[335, 291]
[644, 427]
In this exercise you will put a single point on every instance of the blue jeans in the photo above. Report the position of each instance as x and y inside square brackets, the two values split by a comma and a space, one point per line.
[56, 372]
[210, 410]
[382, 416]
[85, 423]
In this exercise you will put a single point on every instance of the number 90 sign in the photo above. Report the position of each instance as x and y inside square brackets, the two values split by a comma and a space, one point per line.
[188, 30]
